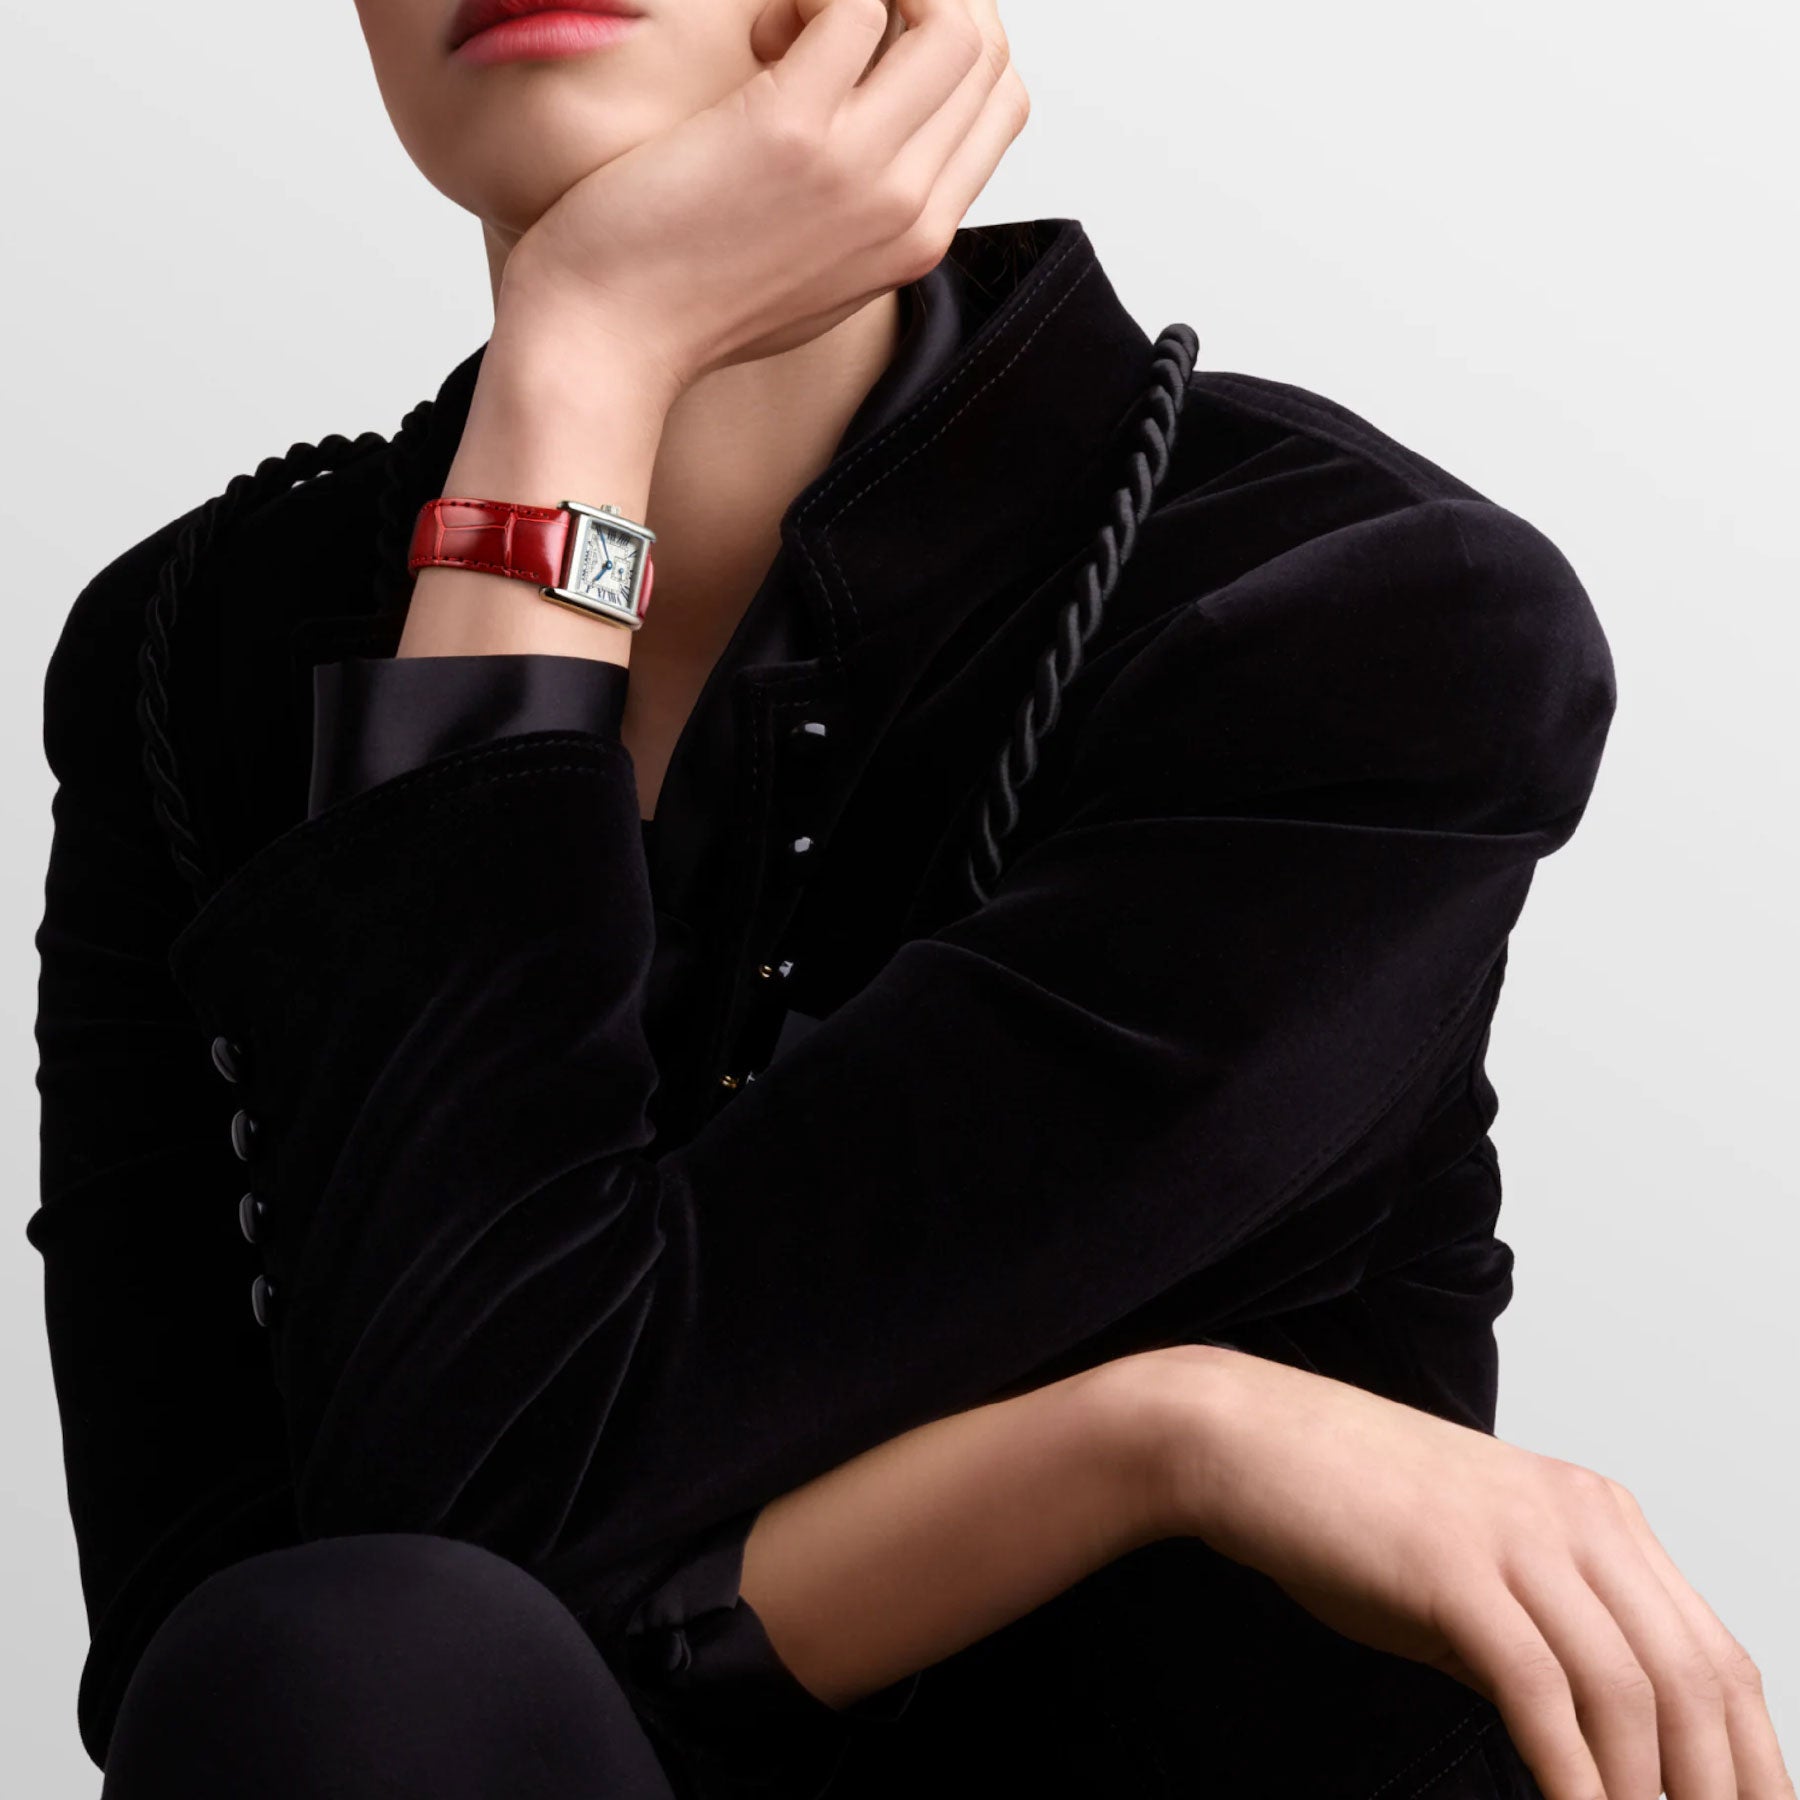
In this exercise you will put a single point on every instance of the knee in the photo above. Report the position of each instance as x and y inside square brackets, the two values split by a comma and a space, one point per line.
[308, 1611]
[306, 1621]
[435, 1662]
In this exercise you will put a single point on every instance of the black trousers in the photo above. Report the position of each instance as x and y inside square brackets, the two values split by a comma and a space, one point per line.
[390, 1664]
[399, 1664]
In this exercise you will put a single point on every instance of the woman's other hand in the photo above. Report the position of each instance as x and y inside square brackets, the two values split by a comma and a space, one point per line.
[1535, 1581]
[761, 222]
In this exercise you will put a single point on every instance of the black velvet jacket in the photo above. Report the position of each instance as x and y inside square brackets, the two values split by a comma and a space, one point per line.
[604, 1185]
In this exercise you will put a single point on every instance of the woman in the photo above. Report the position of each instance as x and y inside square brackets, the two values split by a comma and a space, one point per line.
[810, 1223]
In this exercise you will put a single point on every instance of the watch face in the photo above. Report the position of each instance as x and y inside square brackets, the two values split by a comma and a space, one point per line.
[607, 566]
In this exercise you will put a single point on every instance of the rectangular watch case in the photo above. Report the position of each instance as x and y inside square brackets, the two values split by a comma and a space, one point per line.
[603, 563]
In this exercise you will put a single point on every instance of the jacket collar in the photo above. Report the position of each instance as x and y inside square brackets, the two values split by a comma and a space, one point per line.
[980, 463]
[966, 444]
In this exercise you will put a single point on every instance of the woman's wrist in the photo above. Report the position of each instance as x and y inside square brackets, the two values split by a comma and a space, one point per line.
[1173, 1407]
[547, 330]
[1147, 1413]
[902, 1555]
[556, 414]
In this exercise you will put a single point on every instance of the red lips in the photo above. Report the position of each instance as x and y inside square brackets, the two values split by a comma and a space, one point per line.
[472, 16]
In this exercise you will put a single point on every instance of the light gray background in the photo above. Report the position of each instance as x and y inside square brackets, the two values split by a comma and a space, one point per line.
[1549, 245]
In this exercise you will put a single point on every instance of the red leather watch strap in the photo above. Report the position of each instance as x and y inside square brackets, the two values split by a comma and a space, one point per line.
[503, 537]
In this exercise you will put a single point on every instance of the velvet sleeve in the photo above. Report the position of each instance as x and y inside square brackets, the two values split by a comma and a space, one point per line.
[1270, 910]
[174, 1452]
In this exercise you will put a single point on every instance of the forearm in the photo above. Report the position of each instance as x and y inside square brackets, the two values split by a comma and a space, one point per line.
[559, 412]
[942, 1535]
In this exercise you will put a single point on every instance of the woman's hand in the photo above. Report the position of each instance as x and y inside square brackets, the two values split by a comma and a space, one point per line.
[1535, 1581]
[745, 230]
[761, 222]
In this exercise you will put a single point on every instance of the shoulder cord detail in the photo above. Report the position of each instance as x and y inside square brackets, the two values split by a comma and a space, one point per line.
[1160, 409]
[398, 510]
[273, 476]
[1038, 713]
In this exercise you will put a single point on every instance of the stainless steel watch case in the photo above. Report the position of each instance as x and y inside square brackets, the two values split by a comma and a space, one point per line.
[585, 522]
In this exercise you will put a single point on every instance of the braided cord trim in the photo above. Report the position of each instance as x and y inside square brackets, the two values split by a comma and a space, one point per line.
[1061, 661]
[399, 509]
[272, 477]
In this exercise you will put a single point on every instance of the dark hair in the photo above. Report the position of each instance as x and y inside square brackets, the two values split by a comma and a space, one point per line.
[1019, 239]
[995, 257]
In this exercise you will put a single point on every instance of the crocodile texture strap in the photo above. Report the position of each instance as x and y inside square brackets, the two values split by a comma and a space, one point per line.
[542, 545]
[500, 536]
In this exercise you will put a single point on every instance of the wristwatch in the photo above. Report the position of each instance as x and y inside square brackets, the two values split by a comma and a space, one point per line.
[592, 558]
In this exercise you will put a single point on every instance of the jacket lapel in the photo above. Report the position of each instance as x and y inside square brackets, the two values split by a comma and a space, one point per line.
[973, 475]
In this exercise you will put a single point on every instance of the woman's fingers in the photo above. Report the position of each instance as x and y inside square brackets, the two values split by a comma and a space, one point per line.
[818, 70]
[989, 107]
[928, 126]
[924, 133]
[954, 155]
[1499, 1642]
[975, 159]
[1615, 1698]
[1697, 1763]
[926, 91]
[1762, 1774]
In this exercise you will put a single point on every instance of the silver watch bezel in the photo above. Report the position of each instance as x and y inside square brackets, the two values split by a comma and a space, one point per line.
[585, 521]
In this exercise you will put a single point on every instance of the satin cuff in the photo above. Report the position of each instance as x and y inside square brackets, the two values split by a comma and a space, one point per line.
[717, 1698]
[375, 717]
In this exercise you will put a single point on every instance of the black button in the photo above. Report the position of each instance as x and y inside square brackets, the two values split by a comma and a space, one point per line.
[673, 1653]
[228, 1059]
[808, 736]
[243, 1134]
[262, 1299]
[250, 1218]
